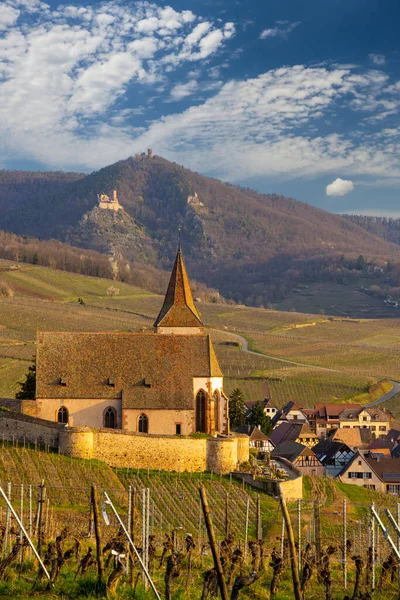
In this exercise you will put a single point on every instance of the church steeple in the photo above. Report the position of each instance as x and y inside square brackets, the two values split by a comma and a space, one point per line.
[179, 314]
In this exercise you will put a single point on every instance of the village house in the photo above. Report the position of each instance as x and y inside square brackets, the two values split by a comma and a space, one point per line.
[294, 431]
[333, 456]
[380, 474]
[257, 438]
[355, 438]
[162, 382]
[290, 412]
[374, 418]
[327, 417]
[269, 408]
[301, 457]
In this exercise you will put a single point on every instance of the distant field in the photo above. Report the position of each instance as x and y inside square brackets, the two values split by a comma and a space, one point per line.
[338, 300]
[354, 353]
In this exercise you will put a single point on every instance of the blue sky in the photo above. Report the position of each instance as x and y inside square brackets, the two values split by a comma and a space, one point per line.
[299, 97]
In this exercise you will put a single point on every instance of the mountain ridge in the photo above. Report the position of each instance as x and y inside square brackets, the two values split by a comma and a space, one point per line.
[253, 247]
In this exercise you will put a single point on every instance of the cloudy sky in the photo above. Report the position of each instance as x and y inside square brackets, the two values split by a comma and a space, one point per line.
[299, 97]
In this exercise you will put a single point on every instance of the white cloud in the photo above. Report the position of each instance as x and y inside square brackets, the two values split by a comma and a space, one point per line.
[8, 16]
[182, 90]
[377, 59]
[61, 70]
[339, 187]
[71, 81]
[281, 29]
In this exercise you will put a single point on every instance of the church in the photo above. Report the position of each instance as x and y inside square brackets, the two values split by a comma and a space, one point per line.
[166, 382]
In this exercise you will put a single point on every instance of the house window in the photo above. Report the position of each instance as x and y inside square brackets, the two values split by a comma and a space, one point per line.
[178, 428]
[216, 410]
[143, 425]
[110, 418]
[382, 427]
[201, 411]
[62, 415]
[360, 462]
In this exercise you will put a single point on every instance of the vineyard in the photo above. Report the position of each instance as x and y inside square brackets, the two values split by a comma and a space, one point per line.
[353, 354]
[332, 527]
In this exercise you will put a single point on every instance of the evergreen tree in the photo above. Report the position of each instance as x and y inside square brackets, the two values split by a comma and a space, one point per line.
[28, 387]
[237, 408]
[258, 417]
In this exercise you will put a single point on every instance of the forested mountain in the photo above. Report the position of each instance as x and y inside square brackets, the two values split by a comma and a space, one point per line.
[254, 248]
[386, 228]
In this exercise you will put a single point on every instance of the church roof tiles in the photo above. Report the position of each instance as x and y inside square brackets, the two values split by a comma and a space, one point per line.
[148, 370]
[178, 309]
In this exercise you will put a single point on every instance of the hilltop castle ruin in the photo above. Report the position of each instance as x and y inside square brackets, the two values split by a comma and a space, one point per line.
[109, 203]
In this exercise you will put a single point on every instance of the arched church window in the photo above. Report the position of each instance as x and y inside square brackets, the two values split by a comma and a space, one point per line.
[143, 424]
[62, 415]
[216, 410]
[110, 418]
[201, 411]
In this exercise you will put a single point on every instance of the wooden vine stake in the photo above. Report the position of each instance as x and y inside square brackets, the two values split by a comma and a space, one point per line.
[42, 497]
[99, 554]
[213, 543]
[292, 548]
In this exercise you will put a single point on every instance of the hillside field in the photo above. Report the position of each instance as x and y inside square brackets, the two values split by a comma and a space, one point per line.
[301, 357]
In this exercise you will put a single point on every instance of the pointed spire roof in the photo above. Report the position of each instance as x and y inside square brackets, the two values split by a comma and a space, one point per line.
[178, 309]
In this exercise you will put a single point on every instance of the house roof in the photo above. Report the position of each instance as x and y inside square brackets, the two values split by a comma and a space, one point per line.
[394, 435]
[289, 450]
[354, 437]
[386, 469]
[253, 432]
[376, 413]
[286, 431]
[326, 449]
[148, 370]
[178, 309]
[333, 410]
[381, 445]
[268, 403]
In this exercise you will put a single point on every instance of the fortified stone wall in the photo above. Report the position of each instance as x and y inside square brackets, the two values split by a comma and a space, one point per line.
[125, 449]
[31, 429]
[167, 453]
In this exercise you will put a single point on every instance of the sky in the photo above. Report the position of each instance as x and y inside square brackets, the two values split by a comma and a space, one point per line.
[295, 97]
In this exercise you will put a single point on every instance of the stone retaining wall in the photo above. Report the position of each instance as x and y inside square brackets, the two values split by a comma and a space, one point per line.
[123, 449]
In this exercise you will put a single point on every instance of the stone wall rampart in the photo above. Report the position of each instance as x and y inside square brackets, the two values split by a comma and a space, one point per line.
[19, 427]
[123, 449]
